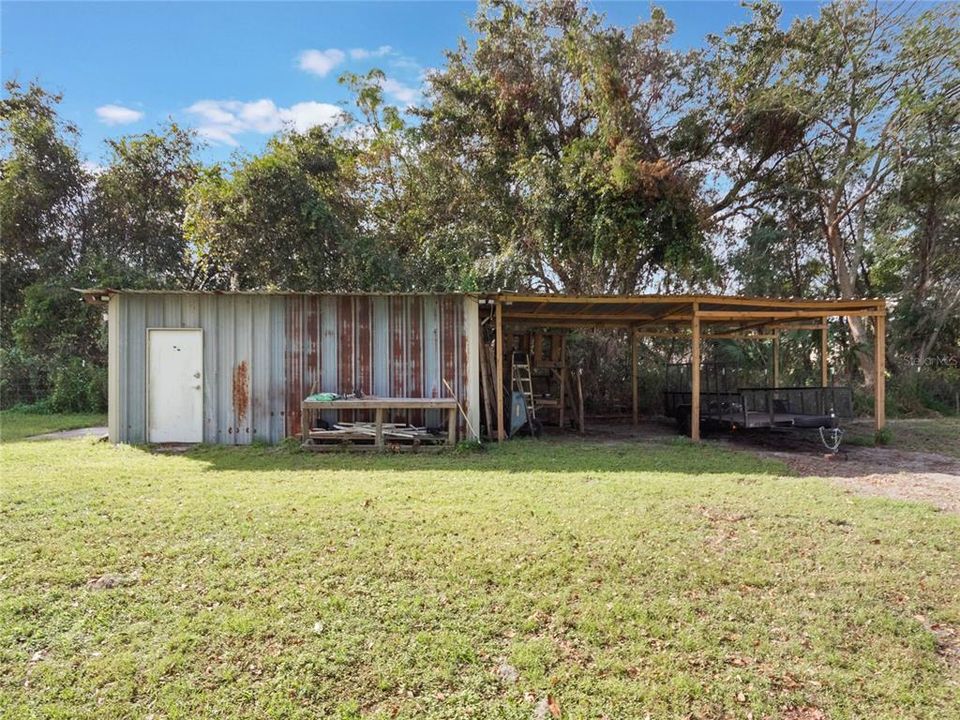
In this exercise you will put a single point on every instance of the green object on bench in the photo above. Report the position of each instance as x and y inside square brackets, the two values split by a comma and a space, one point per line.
[323, 397]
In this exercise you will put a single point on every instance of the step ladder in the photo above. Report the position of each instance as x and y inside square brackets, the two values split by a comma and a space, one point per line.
[523, 382]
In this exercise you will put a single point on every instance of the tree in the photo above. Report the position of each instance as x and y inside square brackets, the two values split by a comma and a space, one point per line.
[555, 130]
[137, 212]
[837, 98]
[777, 259]
[43, 219]
[285, 219]
[917, 254]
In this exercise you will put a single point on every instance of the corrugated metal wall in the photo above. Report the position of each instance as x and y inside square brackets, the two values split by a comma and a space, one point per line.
[264, 353]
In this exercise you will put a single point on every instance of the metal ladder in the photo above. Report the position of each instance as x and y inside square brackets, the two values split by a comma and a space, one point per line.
[523, 382]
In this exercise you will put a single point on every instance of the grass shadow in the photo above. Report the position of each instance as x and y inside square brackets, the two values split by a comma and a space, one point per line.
[515, 457]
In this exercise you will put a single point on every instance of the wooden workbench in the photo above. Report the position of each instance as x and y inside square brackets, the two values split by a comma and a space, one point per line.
[378, 405]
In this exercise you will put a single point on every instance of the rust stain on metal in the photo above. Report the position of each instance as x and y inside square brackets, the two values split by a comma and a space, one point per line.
[398, 352]
[422, 342]
[241, 395]
[293, 368]
[415, 356]
[311, 341]
[363, 371]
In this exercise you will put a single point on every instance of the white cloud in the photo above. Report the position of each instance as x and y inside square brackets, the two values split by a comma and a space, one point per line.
[220, 121]
[321, 62]
[118, 114]
[399, 91]
[364, 54]
[92, 168]
[407, 64]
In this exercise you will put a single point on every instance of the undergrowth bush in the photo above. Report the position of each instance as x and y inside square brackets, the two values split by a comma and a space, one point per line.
[78, 386]
[23, 378]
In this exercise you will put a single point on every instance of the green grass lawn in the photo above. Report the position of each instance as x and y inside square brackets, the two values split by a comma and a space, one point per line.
[16, 425]
[621, 580]
[939, 435]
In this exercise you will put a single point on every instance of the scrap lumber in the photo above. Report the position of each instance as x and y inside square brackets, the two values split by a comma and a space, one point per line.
[485, 387]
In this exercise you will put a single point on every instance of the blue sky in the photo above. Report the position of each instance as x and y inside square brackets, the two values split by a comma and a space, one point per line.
[237, 72]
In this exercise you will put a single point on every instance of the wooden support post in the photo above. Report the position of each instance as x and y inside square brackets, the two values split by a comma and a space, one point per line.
[580, 411]
[695, 376]
[563, 380]
[776, 359]
[499, 378]
[824, 368]
[452, 427]
[378, 429]
[880, 370]
[633, 374]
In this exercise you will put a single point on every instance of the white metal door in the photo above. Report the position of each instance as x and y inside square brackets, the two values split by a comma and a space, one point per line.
[175, 385]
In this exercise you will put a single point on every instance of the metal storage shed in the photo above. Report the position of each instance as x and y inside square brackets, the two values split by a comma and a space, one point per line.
[261, 353]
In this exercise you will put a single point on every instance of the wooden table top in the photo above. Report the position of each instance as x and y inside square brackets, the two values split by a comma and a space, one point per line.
[372, 403]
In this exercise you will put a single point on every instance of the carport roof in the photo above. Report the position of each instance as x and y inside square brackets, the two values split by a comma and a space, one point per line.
[550, 310]
[562, 310]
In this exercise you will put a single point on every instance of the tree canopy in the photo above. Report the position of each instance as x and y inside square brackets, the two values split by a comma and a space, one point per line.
[554, 151]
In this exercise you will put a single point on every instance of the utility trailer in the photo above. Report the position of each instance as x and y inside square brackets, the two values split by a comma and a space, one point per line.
[754, 408]
[750, 408]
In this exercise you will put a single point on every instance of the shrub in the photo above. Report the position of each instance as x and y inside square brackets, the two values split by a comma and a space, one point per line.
[23, 378]
[78, 386]
[883, 436]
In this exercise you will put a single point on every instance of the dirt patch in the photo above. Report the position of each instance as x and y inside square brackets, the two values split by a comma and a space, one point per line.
[101, 433]
[898, 474]
[948, 643]
[110, 581]
[803, 713]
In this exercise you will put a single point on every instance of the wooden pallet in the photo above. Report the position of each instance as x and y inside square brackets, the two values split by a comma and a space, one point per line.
[363, 436]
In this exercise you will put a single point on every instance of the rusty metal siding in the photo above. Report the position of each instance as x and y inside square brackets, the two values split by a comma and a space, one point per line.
[398, 346]
[264, 353]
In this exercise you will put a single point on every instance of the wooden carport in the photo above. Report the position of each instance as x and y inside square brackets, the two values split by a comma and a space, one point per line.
[698, 318]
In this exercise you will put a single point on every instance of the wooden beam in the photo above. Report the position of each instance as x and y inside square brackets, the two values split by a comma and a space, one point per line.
[563, 381]
[662, 334]
[580, 410]
[584, 324]
[633, 375]
[824, 368]
[671, 311]
[728, 315]
[499, 378]
[776, 359]
[869, 304]
[737, 336]
[485, 387]
[880, 373]
[695, 375]
[705, 336]
[790, 326]
[547, 317]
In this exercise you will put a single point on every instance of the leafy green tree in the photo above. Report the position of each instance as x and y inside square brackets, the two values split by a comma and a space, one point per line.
[43, 219]
[778, 260]
[852, 85]
[917, 254]
[137, 211]
[554, 130]
[285, 219]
